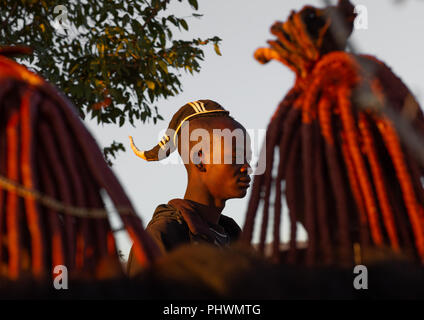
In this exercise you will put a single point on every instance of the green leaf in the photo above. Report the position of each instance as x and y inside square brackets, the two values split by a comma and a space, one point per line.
[150, 84]
[184, 24]
[173, 20]
[151, 96]
[163, 65]
[135, 43]
[74, 68]
[126, 19]
[194, 4]
[216, 47]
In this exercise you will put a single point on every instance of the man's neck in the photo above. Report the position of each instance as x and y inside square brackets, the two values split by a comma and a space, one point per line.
[208, 207]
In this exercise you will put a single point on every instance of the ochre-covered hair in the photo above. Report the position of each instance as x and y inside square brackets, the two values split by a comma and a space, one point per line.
[341, 164]
[52, 173]
[169, 142]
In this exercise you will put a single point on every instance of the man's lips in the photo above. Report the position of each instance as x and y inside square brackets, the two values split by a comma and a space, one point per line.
[244, 181]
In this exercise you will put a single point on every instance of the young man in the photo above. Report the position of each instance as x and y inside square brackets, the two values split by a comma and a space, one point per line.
[217, 169]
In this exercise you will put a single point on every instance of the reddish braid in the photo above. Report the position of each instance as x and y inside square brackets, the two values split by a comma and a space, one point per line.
[52, 175]
[342, 161]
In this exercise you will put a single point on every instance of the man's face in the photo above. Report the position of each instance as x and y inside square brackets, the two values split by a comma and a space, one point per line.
[227, 173]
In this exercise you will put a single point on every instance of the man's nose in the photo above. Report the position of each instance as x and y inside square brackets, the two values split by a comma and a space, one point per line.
[246, 167]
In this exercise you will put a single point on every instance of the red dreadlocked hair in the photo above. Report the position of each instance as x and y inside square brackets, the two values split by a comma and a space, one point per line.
[357, 182]
[52, 173]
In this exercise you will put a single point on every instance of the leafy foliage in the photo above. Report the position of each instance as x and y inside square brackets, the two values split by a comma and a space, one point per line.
[111, 151]
[116, 59]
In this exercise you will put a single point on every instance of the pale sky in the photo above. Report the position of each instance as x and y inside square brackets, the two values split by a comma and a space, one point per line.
[250, 91]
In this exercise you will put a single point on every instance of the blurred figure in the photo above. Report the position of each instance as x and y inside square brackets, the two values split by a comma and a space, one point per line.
[348, 176]
[52, 176]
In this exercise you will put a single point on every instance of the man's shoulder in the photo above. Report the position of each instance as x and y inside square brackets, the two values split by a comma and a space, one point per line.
[165, 213]
[168, 221]
[170, 214]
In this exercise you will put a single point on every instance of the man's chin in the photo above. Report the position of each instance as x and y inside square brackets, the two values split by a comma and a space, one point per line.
[242, 193]
[237, 193]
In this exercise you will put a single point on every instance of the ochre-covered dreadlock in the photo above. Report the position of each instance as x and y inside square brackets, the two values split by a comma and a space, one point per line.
[348, 177]
[51, 176]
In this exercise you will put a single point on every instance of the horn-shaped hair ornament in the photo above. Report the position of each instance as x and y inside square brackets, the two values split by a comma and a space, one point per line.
[169, 142]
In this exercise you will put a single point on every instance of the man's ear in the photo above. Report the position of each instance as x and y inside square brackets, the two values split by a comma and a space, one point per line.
[198, 161]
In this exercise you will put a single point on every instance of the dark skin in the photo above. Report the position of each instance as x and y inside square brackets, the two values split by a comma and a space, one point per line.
[210, 185]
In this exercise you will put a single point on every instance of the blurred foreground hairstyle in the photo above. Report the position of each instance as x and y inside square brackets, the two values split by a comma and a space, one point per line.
[342, 166]
[52, 177]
